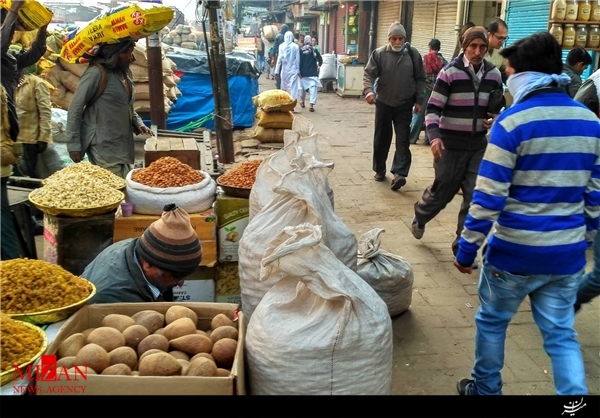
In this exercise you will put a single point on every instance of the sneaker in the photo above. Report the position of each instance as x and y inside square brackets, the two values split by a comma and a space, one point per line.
[398, 181]
[464, 386]
[416, 229]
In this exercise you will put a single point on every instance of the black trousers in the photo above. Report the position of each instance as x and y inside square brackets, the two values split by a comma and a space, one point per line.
[398, 118]
[28, 164]
[9, 243]
[456, 170]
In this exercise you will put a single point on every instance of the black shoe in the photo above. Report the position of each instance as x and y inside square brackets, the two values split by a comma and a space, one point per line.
[463, 386]
[379, 176]
[577, 307]
[398, 181]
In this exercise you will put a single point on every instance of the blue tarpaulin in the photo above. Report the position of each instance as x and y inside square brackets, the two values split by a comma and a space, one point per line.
[197, 100]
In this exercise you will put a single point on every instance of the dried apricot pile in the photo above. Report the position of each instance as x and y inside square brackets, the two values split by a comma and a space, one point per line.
[242, 176]
[167, 172]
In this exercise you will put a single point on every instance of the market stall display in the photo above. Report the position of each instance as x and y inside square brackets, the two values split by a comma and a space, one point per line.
[390, 275]
[21, 345]
[38, 292]
[345, 340]
[238, 181]
[133, 347]
[85, 169]
[167, 180]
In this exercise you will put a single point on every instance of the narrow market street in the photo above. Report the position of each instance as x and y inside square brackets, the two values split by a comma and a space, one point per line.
[434, 340]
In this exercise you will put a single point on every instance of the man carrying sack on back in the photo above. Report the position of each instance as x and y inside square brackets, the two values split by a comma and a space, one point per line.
[101, 120]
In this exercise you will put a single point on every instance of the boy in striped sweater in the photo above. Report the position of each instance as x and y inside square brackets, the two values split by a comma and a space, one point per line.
[538, 191]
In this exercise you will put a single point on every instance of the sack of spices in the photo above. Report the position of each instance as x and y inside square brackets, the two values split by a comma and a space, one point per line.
[297, 201]
[320, 329]
[390, 275]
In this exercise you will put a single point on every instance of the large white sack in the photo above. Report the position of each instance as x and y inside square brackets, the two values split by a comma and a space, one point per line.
[390, 275]
[193, 198]
[298, 201]
[320, 330]
[283, 161]
[59, 125]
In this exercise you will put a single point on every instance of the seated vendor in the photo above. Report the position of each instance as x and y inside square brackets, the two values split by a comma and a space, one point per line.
[145, 269]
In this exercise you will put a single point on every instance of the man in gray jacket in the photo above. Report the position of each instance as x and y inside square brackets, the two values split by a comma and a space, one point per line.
[398, 70]
[103, 127]
[146, 269]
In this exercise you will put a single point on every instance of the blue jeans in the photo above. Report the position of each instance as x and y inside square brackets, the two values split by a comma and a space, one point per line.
[589, 287]
[552, 298]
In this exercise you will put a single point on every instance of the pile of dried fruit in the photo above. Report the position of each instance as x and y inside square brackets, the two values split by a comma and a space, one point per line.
[19, 343]
[150, 343]
[86, 169]
[30, 286]
[76, 191]
[242, 176]
[167, 172]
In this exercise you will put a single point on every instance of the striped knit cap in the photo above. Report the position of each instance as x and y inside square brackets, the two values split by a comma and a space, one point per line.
[170, 243]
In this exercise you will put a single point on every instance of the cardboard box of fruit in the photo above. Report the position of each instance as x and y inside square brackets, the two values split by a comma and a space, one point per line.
[186, 348]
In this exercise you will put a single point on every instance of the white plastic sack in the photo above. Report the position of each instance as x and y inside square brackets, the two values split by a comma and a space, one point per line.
[297, 201]
[390, 275]
[283, 161]
[193, 198]
[59, 125]
[320, 330]
[329, 68]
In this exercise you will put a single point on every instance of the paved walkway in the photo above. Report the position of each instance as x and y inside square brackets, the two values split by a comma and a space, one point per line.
[434, 340]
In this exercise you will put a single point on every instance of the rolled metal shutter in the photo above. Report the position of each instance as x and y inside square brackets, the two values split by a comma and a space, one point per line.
[526, 17]
[388, 13]
[445, 21]
[340, 40]
[423, 25]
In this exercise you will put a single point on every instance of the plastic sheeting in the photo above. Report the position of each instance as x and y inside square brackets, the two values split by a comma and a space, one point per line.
[197, 101]
[196, 62]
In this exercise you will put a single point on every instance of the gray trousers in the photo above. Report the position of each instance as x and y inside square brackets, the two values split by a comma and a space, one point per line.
[456, 170]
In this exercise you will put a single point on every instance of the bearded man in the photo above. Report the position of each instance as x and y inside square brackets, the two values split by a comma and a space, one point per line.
[102, 125]
[398, 70]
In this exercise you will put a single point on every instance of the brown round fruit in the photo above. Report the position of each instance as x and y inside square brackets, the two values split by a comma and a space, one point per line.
[93, 356]
[202, 367]
[152, 320]
[159, 364]
[223, 352]
[134, 335]
[147, 353]
[177, 312]
[179, 355]
[223, 373]
[225, 331]
[153, 341]
[205, 355]
[118, 322]
[191, 344]
[222, 320]
[117, 370]
[71, 346]
[179, 328]
[107, 338]
[123, 355]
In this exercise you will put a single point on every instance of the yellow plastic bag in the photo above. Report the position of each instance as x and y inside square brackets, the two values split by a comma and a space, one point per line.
[32, 15]
[131, 20]
[274, 100]
[275, 120]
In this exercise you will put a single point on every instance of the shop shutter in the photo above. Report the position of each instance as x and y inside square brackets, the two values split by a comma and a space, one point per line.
[387, 13]
[526, 17]
[423, 25]
[445, 21]
[340, 37]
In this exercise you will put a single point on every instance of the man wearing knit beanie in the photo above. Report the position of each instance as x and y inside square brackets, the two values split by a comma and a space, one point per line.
[467, 96]
[397, 70]
[145, 269]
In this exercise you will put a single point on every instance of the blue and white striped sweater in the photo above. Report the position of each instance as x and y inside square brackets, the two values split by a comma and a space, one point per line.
[538, 188]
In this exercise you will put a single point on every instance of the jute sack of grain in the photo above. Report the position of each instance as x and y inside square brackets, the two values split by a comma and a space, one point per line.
[62, 102]
[274, 167]
[189, 45]
[268, 135]
[335, 325]
[76, 69]
[170, 93]
[70, 81]
[297, 201]
[168, 66]
[139, 74]
[274, 100]
[142, 91]
[169, 81]
[390, 275]
[188, 38]
[275, 120]
[53, 76]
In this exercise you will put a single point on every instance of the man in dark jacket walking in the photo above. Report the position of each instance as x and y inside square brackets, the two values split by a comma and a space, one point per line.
[398, 70]
[458, 117]
[278, 41]
[310, 61]
[146, 269]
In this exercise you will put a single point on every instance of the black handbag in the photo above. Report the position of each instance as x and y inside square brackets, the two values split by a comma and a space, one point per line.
[496, 101]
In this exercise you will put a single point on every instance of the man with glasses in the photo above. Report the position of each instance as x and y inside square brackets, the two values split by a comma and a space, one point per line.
[497, 33]
[146, 269]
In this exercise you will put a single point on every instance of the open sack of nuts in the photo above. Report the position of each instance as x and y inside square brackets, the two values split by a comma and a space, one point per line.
[167, 180]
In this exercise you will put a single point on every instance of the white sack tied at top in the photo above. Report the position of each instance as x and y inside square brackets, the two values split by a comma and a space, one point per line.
[283, 161]
[320, 329]
[297, 201]
[390, 275]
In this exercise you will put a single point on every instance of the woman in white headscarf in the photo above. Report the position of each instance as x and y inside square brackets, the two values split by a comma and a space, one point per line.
[289, 64]
[310, 61]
